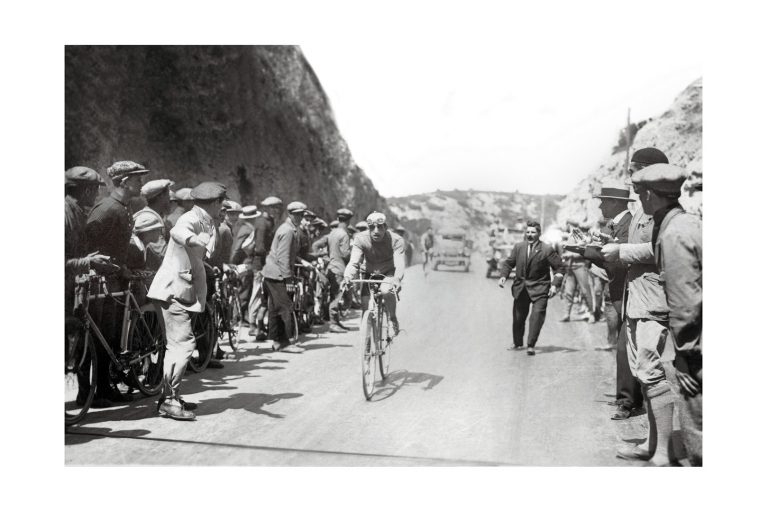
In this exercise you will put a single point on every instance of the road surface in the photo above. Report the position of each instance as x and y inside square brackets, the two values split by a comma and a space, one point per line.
[455, 396]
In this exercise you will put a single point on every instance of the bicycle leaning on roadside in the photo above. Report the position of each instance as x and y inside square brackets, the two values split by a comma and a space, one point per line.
[139, 362]
[376, 336]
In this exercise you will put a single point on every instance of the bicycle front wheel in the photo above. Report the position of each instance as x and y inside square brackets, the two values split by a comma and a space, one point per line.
[204, 329]
[147, 341]
[368, 328]
[79, 376]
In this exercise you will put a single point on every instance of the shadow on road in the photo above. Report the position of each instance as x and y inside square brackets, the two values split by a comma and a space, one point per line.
[546, 349]
[75, 435]
[396, 380]
[251, 402]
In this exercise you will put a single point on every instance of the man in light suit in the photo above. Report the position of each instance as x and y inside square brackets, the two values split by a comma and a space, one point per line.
[180, 290]
[532, 285]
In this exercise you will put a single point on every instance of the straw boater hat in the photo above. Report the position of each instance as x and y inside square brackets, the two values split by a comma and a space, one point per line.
[249, 212]
[614, 190]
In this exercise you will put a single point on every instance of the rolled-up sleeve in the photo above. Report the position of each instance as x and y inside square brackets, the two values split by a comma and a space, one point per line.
[183, 231]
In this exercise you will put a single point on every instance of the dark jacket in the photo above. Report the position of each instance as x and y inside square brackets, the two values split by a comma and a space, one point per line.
[109, 228]
[533, 274]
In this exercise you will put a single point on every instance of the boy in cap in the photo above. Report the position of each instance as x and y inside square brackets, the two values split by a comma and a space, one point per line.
[157, 194]
[676, 239]
[148, 230]
[180, 290]
[278, 271]
[109, 229]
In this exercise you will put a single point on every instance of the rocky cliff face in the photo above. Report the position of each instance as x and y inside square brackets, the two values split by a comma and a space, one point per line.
[255, 118]
[471, 211]
[677, 132]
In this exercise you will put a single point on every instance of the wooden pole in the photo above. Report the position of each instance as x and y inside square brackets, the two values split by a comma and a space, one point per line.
[629, 145]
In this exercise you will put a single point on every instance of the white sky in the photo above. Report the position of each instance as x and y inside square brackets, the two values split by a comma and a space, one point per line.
[503, 105]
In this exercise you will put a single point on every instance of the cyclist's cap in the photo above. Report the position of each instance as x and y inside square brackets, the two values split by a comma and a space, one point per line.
[119, 170]
[181, 195]
[208, 191]
[231, 207]
[361, 226]
[376, 218]
[249, 212]
[82, 176]
[344, 212]
[155, 187]
[146, 221]
[296, 207]
[334, 224]
[309, 214]
[272, 201]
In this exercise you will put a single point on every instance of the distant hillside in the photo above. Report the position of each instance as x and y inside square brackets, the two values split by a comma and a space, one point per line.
[471, 210]
[677, 132]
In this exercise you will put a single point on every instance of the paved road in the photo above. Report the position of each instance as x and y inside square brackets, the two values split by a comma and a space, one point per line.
[455, 396]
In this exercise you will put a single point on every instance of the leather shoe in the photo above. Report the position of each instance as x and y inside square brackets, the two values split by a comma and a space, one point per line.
[215, 363]
[531, 351]
[622, 413]
[262, 336]
[176, 412]
[633, 452]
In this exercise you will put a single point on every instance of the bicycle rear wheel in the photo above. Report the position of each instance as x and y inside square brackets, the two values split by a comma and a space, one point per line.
[147, 341]
[385, 345]
[368, 328]
[204, 329]
[79, 376]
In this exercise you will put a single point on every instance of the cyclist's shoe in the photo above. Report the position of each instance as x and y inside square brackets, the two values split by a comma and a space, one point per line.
[215, 363]
[176, 412]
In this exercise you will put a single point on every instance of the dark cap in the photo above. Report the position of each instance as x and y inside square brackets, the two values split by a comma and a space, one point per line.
[82, 176]
[649, 156]
[119, 170]
[344, 212]
[208, 191]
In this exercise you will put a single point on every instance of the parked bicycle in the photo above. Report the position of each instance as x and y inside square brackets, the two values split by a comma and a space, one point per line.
[376, 336]
[139, 362]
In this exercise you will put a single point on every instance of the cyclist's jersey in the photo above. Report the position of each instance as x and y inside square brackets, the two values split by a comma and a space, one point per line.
[385, 257]
[428, 241]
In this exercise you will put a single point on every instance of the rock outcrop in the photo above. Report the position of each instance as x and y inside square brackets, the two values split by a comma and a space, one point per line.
[253, 117]
[471, 211]
[678, 132]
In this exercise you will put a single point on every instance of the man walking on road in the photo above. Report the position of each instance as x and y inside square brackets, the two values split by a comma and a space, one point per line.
[427, 242]
[180, 288]
[677, 246]
[532, 285]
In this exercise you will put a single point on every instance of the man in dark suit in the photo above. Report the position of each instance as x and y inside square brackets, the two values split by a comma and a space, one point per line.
[532, 285]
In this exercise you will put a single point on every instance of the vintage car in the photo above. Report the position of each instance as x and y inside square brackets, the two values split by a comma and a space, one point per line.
[452, 249]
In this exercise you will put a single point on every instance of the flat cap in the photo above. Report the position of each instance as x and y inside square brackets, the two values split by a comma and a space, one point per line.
[334, 224]
[249, 212]
[296, 207]
[209, 190]
[317, 221]
[376, 218]
[145, 221]
[155, 187]
[183, 194]
[649, 156]
[125, 168]
[231, 206]
[310, 214]
[272, 201]
[665, 178]
[82, 176]
[361, 226]
[344, 212]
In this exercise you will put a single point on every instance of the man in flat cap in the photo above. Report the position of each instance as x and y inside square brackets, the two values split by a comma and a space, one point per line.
[81, 186]
[263, 233]
[278, 271]
[339, 251]
[532, 287]
[184, 203]
[384, 253]
[180, 290]
[676, 240]
[640, 294]
[647, 317]
[157, 194]
[109, 229]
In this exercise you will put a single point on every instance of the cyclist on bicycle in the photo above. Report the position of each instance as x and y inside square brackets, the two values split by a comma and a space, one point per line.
[427, 242]
[384, 253]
